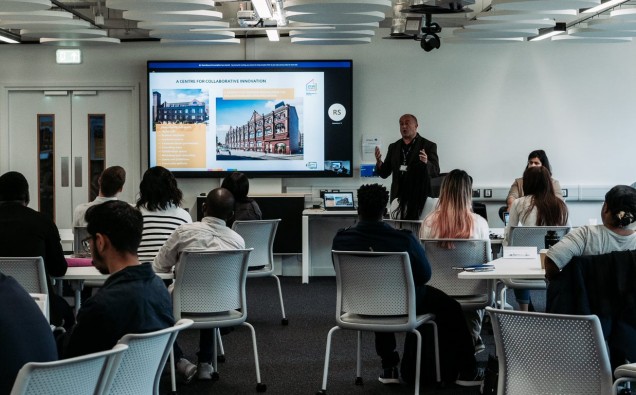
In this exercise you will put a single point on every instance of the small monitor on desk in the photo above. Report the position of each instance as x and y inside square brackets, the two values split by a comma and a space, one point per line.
[339, 201]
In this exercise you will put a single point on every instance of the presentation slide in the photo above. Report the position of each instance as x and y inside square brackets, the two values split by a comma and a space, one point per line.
[207, 121]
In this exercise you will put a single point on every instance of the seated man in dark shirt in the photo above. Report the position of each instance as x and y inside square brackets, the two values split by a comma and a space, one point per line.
[25, 232]
[133, 299]
[455, 342]
[25, 335]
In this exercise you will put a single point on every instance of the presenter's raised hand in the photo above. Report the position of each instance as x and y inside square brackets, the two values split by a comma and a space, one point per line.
[378, 155]
[423, 156]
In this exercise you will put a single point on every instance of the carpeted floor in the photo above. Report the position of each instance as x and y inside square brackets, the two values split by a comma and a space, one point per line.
[292, 357]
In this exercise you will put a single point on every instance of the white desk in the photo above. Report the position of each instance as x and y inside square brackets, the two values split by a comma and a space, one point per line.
[506, 268]
[317, 245]
[66, 236]
[77, 275]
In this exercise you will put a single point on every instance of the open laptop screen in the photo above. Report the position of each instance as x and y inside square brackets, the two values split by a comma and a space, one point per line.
[339, 201]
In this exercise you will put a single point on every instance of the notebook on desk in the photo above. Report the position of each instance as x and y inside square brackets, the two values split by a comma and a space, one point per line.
[338, 201]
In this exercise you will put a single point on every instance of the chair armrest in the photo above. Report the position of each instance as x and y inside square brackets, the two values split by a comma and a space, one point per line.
[624, 371]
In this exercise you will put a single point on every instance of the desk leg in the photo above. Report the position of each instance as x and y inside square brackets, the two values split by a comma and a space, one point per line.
[306, 253]
[77, 286]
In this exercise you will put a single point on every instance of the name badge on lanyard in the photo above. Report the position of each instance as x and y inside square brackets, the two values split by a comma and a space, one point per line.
[403, 168]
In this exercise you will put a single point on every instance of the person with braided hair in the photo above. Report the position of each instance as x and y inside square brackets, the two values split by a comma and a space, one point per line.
[615, 234]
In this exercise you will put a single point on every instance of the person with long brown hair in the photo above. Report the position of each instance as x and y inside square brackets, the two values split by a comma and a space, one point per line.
[538, 207]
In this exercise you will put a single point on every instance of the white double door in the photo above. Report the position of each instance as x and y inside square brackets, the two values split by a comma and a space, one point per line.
[62, 139]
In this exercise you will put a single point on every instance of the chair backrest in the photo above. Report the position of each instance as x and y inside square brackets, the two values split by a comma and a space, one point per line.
[210, 281]
[374, 283]
[141, 366]
[28, 272]
[84, 375]
[543, 353]
[42, 300]
[258, 235]
[464, 252]
[412, 225]
[533, 236]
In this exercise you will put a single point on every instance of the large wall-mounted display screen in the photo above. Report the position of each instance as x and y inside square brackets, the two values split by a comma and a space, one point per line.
[263, 118]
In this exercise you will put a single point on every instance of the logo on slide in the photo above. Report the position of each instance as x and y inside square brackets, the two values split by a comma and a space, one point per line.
[311, 88]
[337, 112]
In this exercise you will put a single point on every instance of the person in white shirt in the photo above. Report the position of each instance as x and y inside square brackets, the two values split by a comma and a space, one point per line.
[210, 234]
[454, 219]
[160, 205]
[618, 214]
[111, 183]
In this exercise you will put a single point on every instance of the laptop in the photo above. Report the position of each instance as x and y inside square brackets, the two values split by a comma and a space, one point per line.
[334, 201]
[80, 247]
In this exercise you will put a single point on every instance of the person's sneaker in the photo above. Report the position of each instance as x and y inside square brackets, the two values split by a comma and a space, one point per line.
[390, 376]
[475, 378]
[186, 369]
[479, 345]
[205, 371]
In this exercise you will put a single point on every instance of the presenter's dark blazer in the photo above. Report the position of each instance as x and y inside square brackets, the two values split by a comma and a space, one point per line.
[393, 160]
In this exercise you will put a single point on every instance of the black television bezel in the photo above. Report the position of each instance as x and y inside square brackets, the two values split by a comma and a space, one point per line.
[255, 174]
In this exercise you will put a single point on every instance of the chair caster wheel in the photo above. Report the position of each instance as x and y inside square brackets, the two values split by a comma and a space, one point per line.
[220, 359]
[321, 392]
[260, 387]
[215, 376]
[284, 322]
[359, 381]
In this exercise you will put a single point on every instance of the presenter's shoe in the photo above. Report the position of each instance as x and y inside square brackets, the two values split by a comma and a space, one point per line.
[205, 371]
[390, 376]
[471, 379]
[186, 369]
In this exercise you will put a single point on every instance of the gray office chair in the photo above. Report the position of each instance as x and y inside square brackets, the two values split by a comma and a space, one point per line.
[375, 292]
[260, 235]
[528, 236]
[542, 353]
[84, 375]
[209, 289]
[29, 272]
[472, 295]
[412, 225]
[141, 366]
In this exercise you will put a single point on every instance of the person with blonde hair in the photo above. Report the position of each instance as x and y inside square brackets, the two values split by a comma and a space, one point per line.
[454, 219]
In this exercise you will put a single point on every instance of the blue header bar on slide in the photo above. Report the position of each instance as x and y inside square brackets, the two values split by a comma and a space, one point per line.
[211, 65]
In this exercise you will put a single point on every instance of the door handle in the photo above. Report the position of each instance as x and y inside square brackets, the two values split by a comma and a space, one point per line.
[78, 171]
[65, 170]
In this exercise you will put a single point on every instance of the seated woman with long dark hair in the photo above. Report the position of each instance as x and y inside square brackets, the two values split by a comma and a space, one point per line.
[538, 207]
[245, 208]
[413, 201]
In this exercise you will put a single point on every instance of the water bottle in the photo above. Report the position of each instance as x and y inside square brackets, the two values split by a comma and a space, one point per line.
[551, 238]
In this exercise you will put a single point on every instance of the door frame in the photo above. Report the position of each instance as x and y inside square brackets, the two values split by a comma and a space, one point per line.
[133, 175]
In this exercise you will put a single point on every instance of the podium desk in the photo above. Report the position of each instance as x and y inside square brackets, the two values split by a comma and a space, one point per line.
[319, 228]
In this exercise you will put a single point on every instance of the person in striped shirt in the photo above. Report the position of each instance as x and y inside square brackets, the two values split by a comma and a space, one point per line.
[160, 204]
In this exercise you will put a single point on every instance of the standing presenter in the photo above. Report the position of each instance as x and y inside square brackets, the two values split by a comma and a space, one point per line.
[411, 150]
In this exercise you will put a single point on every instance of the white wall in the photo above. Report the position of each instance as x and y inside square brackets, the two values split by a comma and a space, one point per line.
[486, 106]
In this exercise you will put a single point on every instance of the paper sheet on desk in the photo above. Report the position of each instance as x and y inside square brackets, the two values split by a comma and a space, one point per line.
[520, 252]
